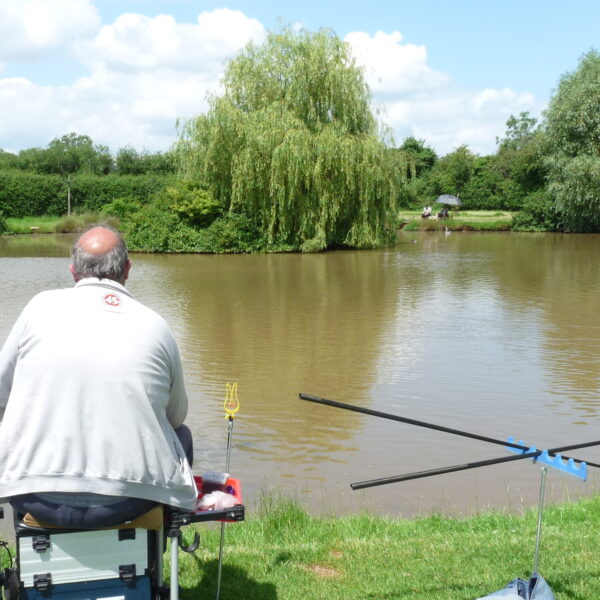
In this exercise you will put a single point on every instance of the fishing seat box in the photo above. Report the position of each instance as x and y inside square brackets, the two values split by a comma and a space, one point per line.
[115, 564]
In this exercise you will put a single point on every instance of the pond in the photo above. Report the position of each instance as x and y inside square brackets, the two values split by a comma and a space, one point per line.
[493, 333]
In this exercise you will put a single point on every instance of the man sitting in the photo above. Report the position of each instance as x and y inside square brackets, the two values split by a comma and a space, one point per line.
[92, 400]
[426, 212]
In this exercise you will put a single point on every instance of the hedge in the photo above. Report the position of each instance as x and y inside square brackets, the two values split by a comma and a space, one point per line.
[24, 194]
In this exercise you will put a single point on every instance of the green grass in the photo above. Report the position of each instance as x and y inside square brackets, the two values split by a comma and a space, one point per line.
[282, 553]
[71, 224]
[472, 220]
[31, 224]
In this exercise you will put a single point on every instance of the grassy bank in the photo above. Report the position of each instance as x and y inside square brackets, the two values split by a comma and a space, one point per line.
[281, 553]
[70, 224]
[475, 220]
[31, 225]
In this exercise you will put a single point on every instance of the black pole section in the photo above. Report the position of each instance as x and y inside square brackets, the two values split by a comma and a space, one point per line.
[441, 471]
[475, 436]
[474, 465]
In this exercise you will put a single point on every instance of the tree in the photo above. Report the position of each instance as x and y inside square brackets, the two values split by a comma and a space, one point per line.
[292, 145]
[128, 162]
[488, 189]
[131, 162]
[421, 158]
[518, 131]
[69, 154]
[452, 172]
[573, 145]
[8, 160]
[72, 153]
[33, 159]
[520, 154]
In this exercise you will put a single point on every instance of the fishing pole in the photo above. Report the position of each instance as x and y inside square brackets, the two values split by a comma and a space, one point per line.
[463, 467]
[231, 406]
[383, 415]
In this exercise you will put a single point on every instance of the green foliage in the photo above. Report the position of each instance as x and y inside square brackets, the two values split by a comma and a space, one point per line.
[501, 181]
[193, 204]
[121, 208]
[518, 131]
[421, 158]
[157, 228]
[71, 153]
[452, 173]
[520, 156]
[150, 229]
[292, 146]
[90, 192]
[77, 222]
[539, 213]
[76, 154]
[69, 224]
[310, 75]
[488, 189]
[131, 162]
[28, 194]
[573, 143]
[233, 234]
[8, 160]
[3, 225]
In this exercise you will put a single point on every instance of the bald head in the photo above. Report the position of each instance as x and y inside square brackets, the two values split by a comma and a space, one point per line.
[98, 240]
[100, 252]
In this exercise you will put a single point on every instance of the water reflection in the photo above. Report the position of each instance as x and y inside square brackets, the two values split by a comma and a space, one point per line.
[491, 333]
[559, 277]
[278, 325]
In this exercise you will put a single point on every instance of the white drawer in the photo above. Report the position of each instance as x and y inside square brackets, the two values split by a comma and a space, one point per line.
[83, 556]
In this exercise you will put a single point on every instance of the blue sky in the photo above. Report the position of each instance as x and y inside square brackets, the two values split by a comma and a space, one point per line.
[123, 71]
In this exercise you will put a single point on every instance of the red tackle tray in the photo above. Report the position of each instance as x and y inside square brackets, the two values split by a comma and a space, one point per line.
[233, 514]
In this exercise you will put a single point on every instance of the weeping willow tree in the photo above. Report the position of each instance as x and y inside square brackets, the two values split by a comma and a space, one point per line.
[573, 140]
[292, 145]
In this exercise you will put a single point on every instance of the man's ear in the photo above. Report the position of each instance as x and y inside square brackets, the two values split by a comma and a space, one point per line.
[126, 272]
[72, 269]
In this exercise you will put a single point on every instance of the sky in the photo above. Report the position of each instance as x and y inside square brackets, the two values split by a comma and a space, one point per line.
[124, 71]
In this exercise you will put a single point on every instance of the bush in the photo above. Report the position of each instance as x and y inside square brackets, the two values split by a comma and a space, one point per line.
[150, 228]
[193, 204]
[233, 233]
[539, 213]
[121, 208]
[68, 224]
[3, 225]
[75, 223]
[157, 228]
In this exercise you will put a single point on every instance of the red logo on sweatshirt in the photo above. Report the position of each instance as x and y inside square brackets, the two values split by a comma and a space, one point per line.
[111, 299]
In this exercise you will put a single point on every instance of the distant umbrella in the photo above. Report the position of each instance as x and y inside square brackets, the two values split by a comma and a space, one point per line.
[448, 200]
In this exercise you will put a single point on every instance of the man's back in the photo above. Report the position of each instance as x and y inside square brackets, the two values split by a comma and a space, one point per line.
[96, 389]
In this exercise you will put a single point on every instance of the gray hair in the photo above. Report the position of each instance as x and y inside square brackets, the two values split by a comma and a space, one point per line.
[110, 265]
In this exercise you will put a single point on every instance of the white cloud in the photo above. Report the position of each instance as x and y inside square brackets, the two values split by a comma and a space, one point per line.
[448, 118]
[144, 74]
[139, 43]
[392, 67]
[421, 102]
[28, 28]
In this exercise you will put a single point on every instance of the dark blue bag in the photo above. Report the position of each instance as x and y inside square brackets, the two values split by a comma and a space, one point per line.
[520, 589]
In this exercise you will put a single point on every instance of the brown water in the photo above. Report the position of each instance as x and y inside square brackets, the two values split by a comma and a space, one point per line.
[497, 334]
